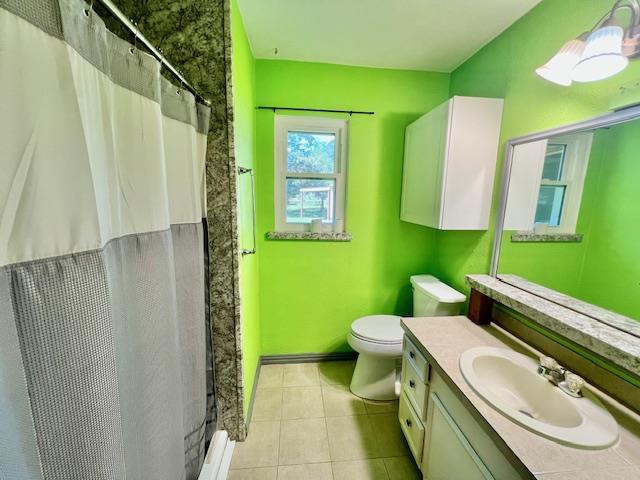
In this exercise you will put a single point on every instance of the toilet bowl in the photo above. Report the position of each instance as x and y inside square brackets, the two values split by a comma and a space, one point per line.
[378, 341]
[378, 338]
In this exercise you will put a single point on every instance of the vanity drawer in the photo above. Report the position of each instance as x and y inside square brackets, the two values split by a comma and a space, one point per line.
[412, 427]
[412, 354]
[414, 387]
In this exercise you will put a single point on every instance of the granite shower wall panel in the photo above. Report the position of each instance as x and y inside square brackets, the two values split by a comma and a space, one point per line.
[196, 38]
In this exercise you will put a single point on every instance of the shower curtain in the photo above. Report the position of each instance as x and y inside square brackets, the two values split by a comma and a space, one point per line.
[102, 293]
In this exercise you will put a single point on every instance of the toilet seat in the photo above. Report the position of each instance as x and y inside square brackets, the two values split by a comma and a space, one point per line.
[379, 329]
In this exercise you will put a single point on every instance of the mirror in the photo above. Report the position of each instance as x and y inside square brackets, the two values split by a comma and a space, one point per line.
[572, 220]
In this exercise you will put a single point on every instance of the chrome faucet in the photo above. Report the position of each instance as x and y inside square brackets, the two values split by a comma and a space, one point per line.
[568, 382]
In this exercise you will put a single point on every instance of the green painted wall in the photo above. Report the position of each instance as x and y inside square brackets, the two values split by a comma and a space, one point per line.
[611, 268]
[244, 86]
[505, 68]
[310, 292]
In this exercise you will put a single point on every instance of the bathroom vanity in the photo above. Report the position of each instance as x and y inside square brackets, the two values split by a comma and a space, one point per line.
[453, 433]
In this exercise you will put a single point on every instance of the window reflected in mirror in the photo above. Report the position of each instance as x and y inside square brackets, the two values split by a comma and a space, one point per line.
[572, 217]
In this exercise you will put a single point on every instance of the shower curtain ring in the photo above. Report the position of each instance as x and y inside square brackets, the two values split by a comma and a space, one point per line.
[89, 11]
[181, 83]
[133, 49]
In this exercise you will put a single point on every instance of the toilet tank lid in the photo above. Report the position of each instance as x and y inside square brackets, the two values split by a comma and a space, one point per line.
[433, 287]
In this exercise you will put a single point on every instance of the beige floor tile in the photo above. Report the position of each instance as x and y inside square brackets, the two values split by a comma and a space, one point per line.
[303, 441]
[389, 437]
[308, 471]
[340, 402]
[351, 438]
[265, 473]
[301, 375]
[402, 468]
[271, 376]
[267, 404]
[302, 402]
[360, 470]
[375, 407]
[260, 449]
[336, 373]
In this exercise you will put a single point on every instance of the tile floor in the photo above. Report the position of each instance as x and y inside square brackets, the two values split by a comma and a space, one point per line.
[306, 425]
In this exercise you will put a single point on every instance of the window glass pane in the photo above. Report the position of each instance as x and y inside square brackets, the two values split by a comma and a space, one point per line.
[310, 198]
[311, 152]
[550, 204]
[554, 162]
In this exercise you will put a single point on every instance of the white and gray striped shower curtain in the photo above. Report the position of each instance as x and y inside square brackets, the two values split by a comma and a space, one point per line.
[102, 291]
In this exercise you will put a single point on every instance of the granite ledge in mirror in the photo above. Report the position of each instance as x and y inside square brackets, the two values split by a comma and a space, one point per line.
[326, 237]
[620, 348]
[613, 319]
[532, 237]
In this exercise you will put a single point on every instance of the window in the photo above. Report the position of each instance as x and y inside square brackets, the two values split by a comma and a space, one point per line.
[310, 172]
[563, 171]
[553, 186]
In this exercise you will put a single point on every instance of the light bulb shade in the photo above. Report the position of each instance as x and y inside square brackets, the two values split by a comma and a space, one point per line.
[559, 68]
[602, 57]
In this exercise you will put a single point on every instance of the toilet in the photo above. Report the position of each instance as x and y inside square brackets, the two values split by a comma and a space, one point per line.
[378, 338]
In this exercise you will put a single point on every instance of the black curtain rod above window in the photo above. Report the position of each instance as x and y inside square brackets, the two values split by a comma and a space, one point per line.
[350, 112]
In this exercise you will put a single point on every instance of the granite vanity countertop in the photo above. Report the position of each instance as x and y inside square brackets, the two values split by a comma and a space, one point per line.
[443, 339]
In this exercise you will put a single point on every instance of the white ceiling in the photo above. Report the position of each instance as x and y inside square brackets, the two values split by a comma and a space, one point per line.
[435, 35]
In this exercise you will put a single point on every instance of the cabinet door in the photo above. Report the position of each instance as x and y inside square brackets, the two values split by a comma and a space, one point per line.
[425, 141]
[448, 454]
[470, 163]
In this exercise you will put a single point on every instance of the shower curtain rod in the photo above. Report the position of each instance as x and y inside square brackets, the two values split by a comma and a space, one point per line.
[350, 112]
[121, 17]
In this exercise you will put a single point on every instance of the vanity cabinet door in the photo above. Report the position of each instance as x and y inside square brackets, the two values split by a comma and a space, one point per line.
[449, 455]
[414, 388]
[412, 354]
[411, 427]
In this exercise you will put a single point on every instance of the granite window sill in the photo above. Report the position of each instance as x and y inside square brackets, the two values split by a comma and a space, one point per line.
[530, 237]
[309, 236]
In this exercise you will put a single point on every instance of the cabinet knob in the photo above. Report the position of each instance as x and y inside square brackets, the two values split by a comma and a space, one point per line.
[412, 384]
[412, 355]
[408, 422]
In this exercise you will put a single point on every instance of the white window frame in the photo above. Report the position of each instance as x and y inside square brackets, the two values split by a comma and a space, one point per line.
[574, 171]
[526, 179]
[283, 124]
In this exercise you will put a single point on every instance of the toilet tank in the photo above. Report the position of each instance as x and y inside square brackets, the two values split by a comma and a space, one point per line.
[432, 298]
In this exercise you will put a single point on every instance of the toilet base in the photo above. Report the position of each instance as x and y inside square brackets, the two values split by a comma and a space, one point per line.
[375, 378]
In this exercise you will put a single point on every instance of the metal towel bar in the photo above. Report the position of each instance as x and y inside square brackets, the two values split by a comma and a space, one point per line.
[241, 171]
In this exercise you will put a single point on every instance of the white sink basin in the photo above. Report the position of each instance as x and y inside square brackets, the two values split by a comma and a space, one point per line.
[509, 382]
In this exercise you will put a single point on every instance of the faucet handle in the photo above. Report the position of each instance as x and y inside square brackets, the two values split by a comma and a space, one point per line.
[573, 382]
[550, 363]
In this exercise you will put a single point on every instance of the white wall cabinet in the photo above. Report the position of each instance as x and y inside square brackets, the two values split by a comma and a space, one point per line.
[445, 439]
[449, 164]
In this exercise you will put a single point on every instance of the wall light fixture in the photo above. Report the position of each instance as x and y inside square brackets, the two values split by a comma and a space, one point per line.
[600, 53]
